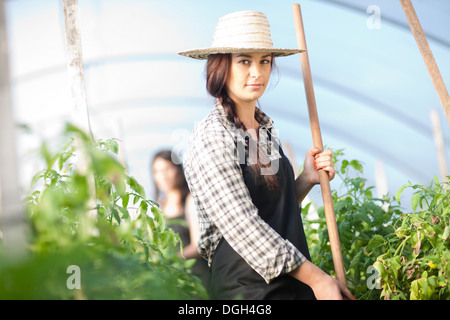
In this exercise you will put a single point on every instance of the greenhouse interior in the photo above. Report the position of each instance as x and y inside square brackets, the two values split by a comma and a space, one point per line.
[93, 90]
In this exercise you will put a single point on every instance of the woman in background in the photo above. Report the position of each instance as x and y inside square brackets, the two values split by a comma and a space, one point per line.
[175, 200]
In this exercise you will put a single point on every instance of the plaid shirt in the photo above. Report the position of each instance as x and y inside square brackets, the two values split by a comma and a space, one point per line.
[224, 205]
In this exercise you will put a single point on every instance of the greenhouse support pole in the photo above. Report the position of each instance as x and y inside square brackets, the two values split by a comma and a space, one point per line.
[12, 214]
[438, 138]
[427, 56]
[317, 141]
[122, 157]
[381, 182]
[80, 112]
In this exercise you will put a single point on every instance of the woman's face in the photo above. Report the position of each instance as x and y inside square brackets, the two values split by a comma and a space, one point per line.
[164, 174]
[248, 76]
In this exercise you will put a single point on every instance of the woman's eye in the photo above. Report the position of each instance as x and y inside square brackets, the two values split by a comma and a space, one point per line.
[265, 61]
[244, 62]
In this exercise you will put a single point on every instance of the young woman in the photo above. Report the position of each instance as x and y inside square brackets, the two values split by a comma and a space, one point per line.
[243, 185]
[172, 193]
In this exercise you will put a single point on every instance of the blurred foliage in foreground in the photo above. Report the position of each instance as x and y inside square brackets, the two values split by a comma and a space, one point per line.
[111, 246]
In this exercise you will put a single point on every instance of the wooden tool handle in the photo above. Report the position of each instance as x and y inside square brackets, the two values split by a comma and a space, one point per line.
[317, 141]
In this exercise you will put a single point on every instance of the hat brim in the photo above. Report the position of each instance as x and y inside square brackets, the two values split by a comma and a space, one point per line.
[202, 54]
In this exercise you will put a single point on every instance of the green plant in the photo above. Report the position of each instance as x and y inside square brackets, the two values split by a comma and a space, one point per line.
[387, 253]
[360, 218]
[99, 220]
[416, 264]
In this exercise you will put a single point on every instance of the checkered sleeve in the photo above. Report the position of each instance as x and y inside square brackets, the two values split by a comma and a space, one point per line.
[217, 183]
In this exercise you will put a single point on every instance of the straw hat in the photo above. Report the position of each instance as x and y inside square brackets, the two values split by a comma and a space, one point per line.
[240, 32]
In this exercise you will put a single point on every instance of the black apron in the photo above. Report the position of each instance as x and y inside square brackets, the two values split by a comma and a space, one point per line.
[231, 276]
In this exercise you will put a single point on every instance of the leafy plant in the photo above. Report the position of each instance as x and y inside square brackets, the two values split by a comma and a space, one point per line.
[98, 219]
[387, 253]
[361, 220]
[416, 264]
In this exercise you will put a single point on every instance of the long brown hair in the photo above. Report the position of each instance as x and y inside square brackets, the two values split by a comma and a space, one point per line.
[217, 70]
[180, 182]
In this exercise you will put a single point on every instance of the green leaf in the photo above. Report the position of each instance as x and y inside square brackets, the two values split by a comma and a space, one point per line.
[344, 166]
[159, 217]
[436, 180]
[143, 208]
[165, 238]
[415, 289]
[125, 213]
[432, 281]
[321, 212]
[445, 235]
[341, 205]
[368, 194]
[112, 145]
[101, 211]
[362, 216]
[64, 156]
[70, 128]
[37, 176]
[395, 265]
[136, 187]
[399, 193]
[125, 200]
[376, 241]
[115, 214]
[356, 165]
[376, 212]
[345, 233]
[378, 265]
[415, 200]
[305, 209]
[356, 259]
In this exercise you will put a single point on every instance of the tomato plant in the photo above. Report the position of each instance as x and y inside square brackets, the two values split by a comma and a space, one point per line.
[360, 218]
[416, 264]
[388, 254]
[119, 242]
